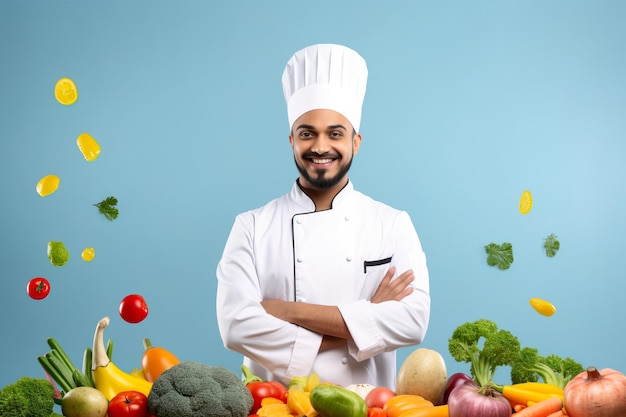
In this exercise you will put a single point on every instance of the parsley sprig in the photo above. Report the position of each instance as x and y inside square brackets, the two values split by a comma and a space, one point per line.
[107, 208]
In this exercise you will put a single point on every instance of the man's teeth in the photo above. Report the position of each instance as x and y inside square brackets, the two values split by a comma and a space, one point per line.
[322, 161]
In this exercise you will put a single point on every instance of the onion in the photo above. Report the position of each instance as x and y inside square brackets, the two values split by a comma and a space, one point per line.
[361, 389]
[469, 400]
[455, 380]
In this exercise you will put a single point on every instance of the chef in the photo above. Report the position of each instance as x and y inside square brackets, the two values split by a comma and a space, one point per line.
[324, 278]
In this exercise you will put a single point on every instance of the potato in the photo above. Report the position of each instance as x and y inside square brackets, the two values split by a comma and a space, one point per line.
[423, 373]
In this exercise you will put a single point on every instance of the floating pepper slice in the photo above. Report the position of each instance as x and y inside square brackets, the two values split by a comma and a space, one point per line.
[65, 91]
[525, 202]
[89, 147]
[48, 184]
[88, 254]
[543, 307]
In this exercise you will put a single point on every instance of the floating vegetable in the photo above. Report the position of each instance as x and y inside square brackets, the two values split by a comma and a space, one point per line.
[499, 255]
[48, 184]
[65, 91]
[133, 308]
[551, 245]
[38, 288]
[525, 202]
[107, 208]
[88, 254]
[57, 254]
[88, 146]
[543, 307]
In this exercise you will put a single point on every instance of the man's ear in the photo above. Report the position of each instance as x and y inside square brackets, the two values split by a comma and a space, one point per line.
[291, 140]
[356, 142]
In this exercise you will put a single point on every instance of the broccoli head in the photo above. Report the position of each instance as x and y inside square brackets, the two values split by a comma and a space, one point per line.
[192, 389]
[530, 366]
[28, 397]
[485, 347]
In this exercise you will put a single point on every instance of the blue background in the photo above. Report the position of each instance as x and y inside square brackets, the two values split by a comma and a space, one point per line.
[469, 103]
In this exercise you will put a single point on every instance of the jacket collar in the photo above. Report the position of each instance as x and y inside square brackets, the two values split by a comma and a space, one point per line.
[300, 198]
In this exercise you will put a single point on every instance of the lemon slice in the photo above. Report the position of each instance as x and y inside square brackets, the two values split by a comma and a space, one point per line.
[88, 146]
[65, 91]
[47, 185]
[525, 202]
[543, 307]
[88, 254]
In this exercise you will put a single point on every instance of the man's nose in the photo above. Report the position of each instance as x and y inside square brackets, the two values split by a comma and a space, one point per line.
[321, 144]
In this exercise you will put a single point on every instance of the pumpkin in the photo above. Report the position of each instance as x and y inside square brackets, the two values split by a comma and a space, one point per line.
[423, 373]
[594, 393]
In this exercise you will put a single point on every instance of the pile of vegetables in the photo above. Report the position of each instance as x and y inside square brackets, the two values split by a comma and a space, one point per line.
[541, 386]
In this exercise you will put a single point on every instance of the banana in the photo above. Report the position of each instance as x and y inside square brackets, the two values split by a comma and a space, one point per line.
[108, 378]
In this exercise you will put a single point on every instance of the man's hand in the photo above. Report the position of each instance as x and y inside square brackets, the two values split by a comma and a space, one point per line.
[394, 290]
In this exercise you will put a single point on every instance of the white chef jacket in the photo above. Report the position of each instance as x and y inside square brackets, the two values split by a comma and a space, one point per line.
[287, 250]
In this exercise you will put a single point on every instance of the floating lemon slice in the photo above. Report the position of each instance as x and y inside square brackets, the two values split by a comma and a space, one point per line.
[543, 307]
[47, 185]
[525, 202]
[88, 254]
[88, 146]
[65, 91]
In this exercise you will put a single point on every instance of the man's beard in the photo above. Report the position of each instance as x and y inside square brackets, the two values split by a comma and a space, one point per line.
[320, 182]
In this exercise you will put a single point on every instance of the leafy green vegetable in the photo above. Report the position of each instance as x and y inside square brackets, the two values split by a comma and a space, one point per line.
[551, 245]
[530, 366]
[107, 208]
[28, 397]
[57, 253]
[485, 347]
[499, 255]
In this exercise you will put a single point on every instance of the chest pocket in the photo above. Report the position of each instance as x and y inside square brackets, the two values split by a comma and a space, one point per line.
[379, 262]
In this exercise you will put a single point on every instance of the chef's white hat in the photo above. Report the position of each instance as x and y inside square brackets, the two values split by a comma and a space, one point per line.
[325, 76]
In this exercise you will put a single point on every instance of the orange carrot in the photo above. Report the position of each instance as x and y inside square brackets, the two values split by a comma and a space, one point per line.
[518, 407]
[556, 414]
[542, 408]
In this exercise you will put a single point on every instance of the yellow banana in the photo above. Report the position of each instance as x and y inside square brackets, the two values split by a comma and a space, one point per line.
[108, 378]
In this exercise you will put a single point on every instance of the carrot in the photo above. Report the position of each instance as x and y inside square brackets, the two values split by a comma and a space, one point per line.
[518, 407]
[556, 414]
[542, 408]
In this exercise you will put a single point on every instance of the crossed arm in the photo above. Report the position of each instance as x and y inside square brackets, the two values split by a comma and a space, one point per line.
[327, 320]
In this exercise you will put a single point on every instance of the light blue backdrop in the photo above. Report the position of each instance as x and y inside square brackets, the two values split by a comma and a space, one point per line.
[469, 104]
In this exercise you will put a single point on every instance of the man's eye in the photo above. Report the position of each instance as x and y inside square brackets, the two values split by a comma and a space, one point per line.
[305, 134]
[336, 134]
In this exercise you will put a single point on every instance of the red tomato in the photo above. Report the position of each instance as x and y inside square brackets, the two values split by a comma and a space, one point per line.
[376, 412]
[129, 404]
[260, 390]
[133, 308]
[378, 397]
[38, 288]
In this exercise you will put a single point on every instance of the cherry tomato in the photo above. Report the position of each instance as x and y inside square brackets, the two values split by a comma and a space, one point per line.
[377, 397]
[133, 308]
[38, 288]
[129, 404]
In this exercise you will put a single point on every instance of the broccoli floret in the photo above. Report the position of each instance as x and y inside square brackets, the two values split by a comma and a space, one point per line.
[499, 348]
[192, 389]
[28, 397]
[552, 369]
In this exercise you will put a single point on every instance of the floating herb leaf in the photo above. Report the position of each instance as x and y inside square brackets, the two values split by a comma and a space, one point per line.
[107, 208]
[551, 245]
[499, 255]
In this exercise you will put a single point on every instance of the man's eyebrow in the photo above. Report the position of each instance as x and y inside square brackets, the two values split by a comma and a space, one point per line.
[331, 127]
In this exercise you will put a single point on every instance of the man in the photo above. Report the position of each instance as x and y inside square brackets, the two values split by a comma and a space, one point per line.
[323, 279]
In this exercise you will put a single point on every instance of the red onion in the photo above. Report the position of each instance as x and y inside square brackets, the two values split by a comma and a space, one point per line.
[454, 380]
[469, 400]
